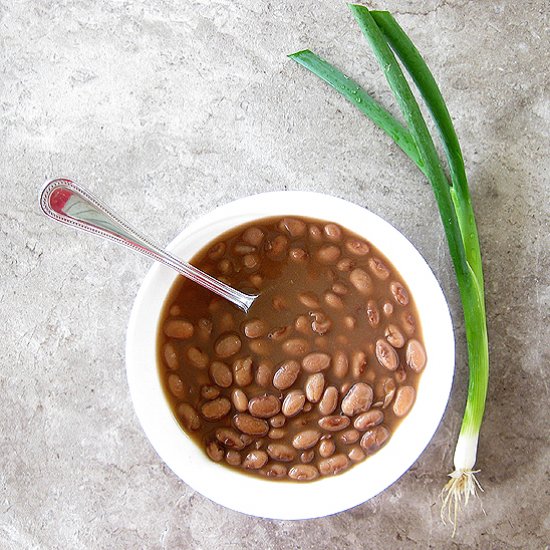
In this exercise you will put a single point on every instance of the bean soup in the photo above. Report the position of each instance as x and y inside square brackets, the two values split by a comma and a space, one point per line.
[319, 373]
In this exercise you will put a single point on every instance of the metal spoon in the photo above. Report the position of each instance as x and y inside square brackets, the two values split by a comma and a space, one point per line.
[69, 203]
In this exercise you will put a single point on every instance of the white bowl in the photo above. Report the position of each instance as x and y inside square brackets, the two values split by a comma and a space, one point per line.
[280, 499]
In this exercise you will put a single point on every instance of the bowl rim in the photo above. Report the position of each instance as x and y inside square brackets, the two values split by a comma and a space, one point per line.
[280, 499]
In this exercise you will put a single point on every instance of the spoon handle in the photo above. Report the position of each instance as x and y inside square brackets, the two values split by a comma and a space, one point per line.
[67, 202]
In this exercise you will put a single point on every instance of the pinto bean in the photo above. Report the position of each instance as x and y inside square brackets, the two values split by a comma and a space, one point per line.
[373, 439]
[250, 425]
[279, 333]
[301, 324]
[263, 374]
[226, 321]
[345, 387]
[329, 401]
[325, 408]
[216, 409]
[279, 303]
[175, 310]
[253, 236]
[358, 363]
[357, 247]
[358, 399]
[255, 460]
[349, 437]
[334, 423]
[333, 300]
[276, 247]
[400, 374]
[256, 280]
[227, 345]
[316, 362]
[178, 328]
[278, 421]
[332, 232]
[296, 347]
[328, 254]
[307, 456]
[214, 451]
[189, 416]
[175, 385]
[303, 472]
[286, 374]
[361, 280]
[326, 448]
[264, 406]
[399, 293]
[255, 328]
[276, 433]
[340, 364]
[314, 387]
[297, 254]
[309, 299]
[242, 249]
[204, 328]
[306, 439]
[294, 227]
[340, 288]
[217, 251]
[389, 388]
[215, 304]
[293, 402]
[404, 400]
[170, 356]
[333, 465]
[345, 265]
[242, 371]
[230, 438]
[197, 358]
[260, 346]
[225, 266]
[281, 452]
[415, 355]
[240, 401]
[220, 374]
[379, 268]
[321, 324]
[233, 458]
[210, 392]
[394, 336]
[275, 471]
[373, 314]
[251, 261]
[386, 355]
[409, 322]
[315, 233]
[356, 454]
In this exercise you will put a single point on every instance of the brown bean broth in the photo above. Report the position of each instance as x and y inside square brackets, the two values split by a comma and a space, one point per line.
[284, 277]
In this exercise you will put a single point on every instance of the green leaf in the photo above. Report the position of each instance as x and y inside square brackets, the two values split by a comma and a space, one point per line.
[354, 93]
[428, 88]
[419, 131]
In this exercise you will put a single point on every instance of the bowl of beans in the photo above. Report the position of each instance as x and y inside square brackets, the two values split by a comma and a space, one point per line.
[320, 396]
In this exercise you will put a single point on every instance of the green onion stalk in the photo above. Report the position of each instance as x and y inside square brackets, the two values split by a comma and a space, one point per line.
[387, 39]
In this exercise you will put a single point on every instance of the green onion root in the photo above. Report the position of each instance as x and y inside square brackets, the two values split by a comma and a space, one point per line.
[463, 483]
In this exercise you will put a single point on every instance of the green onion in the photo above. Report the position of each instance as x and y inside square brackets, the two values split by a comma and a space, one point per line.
[385, 37]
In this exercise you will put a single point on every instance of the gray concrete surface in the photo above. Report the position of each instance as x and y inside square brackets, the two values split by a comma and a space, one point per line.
[167, 109]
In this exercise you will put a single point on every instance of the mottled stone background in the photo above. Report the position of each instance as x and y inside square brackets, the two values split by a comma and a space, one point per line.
[169, 108]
